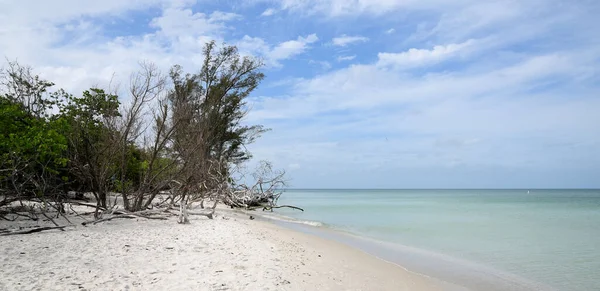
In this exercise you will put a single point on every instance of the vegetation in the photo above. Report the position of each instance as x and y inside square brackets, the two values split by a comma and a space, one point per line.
[178, 136]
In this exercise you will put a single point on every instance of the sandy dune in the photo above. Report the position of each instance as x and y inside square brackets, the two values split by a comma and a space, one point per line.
[228, 253]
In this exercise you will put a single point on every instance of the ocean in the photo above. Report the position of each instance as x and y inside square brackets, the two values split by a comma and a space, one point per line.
[481, 239]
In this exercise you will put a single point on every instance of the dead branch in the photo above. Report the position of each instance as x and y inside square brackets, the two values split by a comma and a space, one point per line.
[128, 215]
[282, 206]
[154, 217]
[210, 215]
[86, 204]
[50, 219]
[33, 230]
[6, 218]
[143, 214]
[108, 218]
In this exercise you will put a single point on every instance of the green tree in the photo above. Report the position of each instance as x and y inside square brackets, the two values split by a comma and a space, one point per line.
[91, 139]
[212, 102]
[208, 109]
[32, 148]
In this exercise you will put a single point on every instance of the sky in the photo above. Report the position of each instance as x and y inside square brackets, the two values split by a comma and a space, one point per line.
[363, 93]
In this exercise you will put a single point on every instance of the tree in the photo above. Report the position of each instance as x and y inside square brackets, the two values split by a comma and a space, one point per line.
[92, 139]
[263, 193]
[186, 138]
[31, 145]
[20, 86]
[208, 108]
[144, 172]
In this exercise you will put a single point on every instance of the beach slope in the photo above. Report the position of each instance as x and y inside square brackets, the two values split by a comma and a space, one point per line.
[231, 252]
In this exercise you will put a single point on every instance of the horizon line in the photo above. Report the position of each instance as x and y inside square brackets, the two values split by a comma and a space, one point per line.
[441, 188]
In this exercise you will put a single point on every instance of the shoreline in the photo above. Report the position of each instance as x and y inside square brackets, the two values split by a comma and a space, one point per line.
[230, 252]
[451, 272]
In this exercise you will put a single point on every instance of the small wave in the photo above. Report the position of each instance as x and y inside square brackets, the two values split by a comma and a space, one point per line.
[293, 220]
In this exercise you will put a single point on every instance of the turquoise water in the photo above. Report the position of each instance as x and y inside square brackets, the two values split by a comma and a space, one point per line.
[548, 236]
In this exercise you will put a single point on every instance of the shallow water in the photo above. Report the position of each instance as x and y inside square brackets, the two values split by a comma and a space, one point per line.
[551, 237]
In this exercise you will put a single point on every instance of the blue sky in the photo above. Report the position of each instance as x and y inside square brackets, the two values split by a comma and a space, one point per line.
[367, 94]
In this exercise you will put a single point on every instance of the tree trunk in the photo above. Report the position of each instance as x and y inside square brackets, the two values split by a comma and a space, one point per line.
[126, 202]
[183, 214]
[149, 200]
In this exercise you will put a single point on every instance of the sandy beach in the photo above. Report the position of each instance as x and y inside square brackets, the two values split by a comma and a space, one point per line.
[230, 252]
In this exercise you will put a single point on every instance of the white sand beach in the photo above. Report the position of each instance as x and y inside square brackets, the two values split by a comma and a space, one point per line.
[230, 252]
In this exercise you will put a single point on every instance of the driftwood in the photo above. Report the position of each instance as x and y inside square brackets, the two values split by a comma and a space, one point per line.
[33, 230]
[282, 206]
[143, 214]
[265, 191]
[210, 215]
[108, 218]
[129, 215]
[152, 217]
[6, 218]
[32, 209]
[86, 204]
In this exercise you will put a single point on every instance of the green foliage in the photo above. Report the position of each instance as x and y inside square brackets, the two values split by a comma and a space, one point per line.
[135, 166]
[28, 90]
[91, 139]
[215, 99]
[55, 141]
[92, 108]
[31, 148]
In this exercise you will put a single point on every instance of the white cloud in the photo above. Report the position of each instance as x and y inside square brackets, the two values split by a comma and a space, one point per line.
[390, 31]
[346, 58]
[499, 118]
[41, 12]
[181, 23]
[269, 12]
[345, 40]
[346, 7]
[72, 50]
[419, 57]
[523, 97]
[253, 45]
[282, 51]
[323, 64]
[291, 48]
